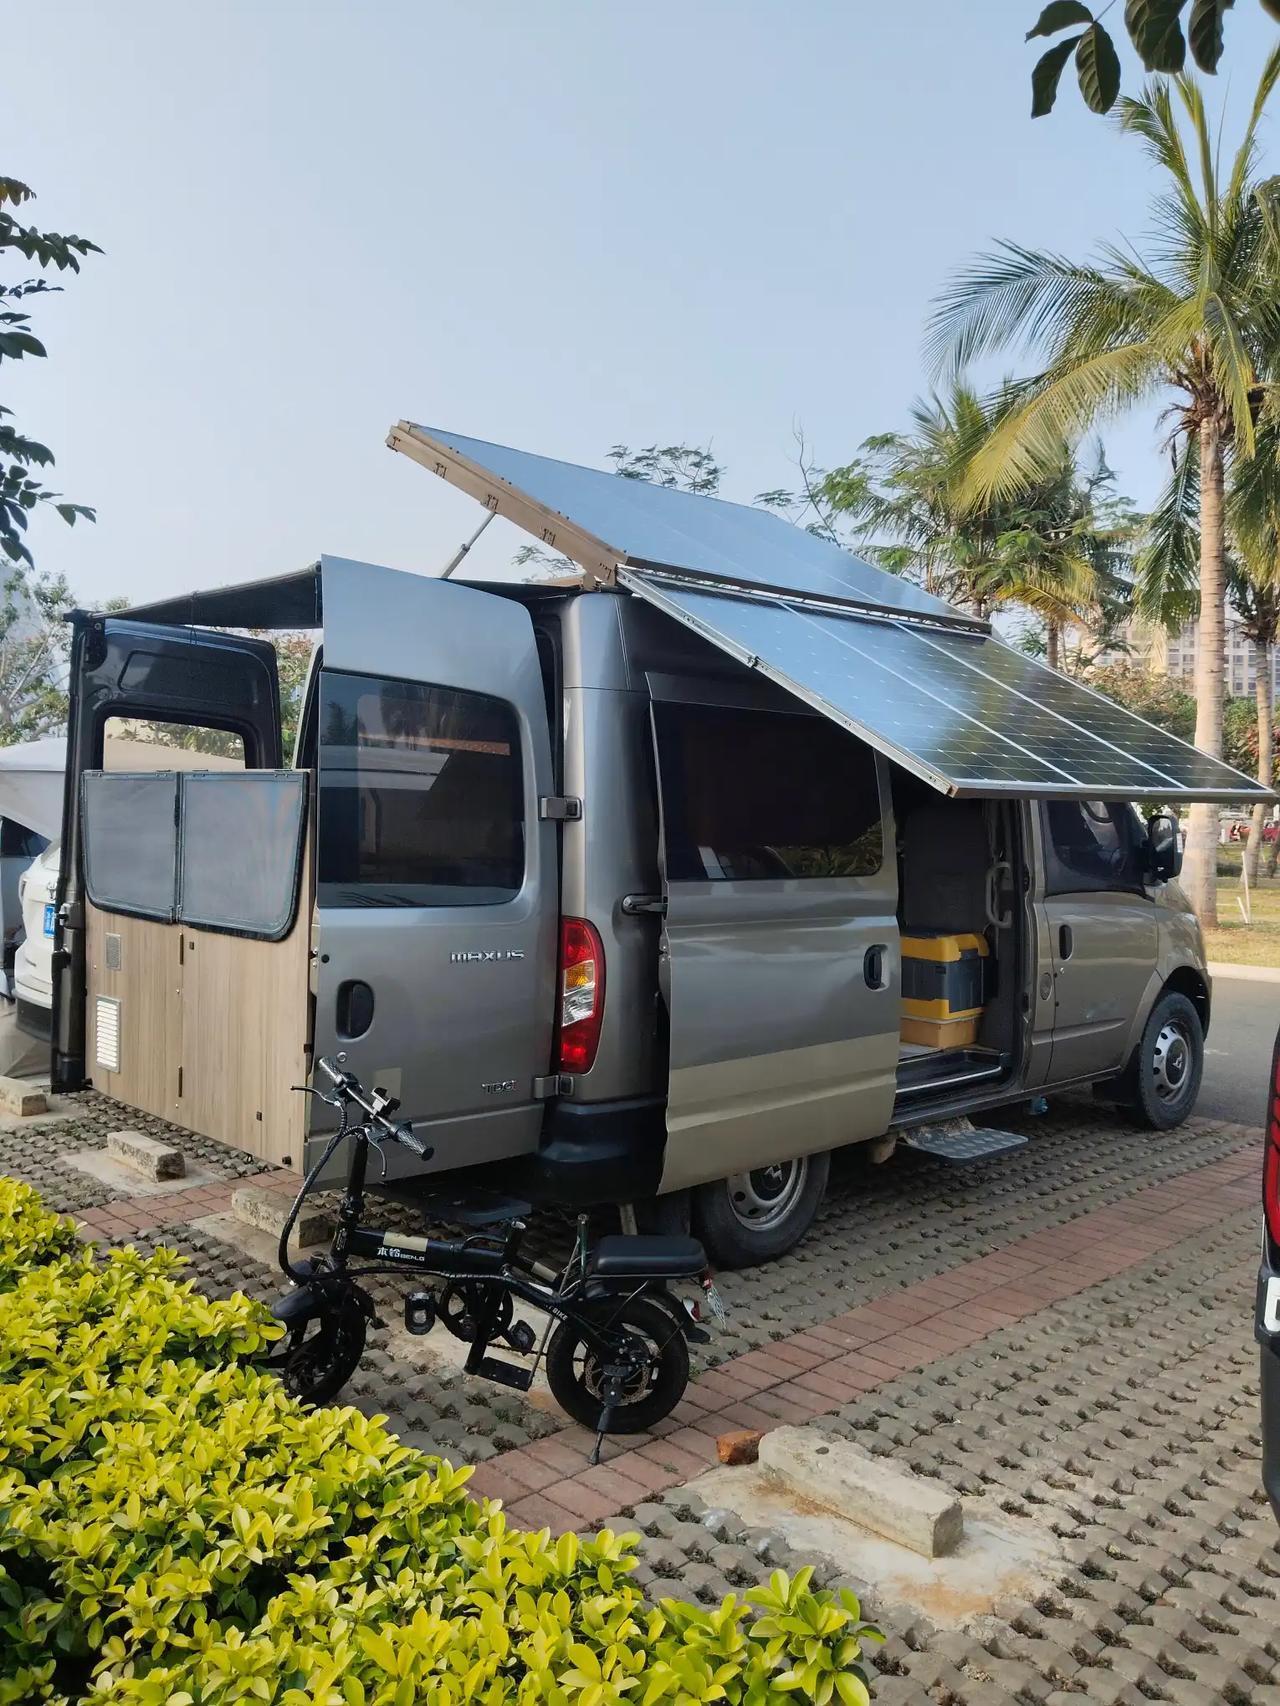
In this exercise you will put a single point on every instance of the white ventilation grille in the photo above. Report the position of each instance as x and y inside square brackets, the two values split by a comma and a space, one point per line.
[107, 1052]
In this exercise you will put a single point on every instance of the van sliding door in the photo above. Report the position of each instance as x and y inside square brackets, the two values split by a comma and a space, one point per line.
[780, 957]
[436, 880]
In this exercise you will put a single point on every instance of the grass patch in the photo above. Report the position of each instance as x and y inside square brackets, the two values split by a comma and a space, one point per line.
[1234, 941]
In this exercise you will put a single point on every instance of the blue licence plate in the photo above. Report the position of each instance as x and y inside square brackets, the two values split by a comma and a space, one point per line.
[50, 917]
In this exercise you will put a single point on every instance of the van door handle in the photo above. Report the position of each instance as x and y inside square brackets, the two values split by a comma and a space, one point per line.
[873, 966]
[1065, 942]
[354, 1010]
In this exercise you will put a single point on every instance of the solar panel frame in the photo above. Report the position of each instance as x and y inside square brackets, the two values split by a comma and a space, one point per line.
[930, 699]
[601, 521]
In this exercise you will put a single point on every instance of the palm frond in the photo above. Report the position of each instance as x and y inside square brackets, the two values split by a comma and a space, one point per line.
[1060, 406]
[1167, 568]
[1016, 295]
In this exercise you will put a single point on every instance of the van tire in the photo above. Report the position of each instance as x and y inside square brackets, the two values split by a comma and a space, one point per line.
[1162, 1080]
[723, 1211]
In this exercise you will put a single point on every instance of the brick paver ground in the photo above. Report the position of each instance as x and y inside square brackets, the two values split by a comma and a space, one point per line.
[1063, 1333]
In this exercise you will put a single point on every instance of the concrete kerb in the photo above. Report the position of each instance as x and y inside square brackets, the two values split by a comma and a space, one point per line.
[1245, 974]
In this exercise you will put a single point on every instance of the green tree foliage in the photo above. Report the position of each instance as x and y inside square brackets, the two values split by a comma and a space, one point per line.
[1162, 31]
[20, 490]
[1058, 548]
[1197, 317]
[1147, 693]
[33, 653]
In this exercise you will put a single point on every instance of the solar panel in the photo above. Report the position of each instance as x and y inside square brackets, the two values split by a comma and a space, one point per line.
[613, 520]
[964, 711]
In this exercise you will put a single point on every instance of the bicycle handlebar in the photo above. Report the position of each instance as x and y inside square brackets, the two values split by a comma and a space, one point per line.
[350, 1088]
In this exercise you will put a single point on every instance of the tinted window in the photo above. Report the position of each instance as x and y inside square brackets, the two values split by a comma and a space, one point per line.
[421, 797]
[761, 794]
[1092, 844]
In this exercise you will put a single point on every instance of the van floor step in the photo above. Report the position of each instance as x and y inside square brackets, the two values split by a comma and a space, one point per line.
[960, 1142]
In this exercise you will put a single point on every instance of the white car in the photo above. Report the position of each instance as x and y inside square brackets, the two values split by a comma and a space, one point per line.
[33, 967]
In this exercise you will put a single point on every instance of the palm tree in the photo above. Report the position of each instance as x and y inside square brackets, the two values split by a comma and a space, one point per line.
[1197, 316]
[1254, 508]
[1049, 549]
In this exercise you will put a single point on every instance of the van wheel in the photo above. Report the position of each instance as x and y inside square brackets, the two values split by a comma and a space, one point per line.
[757, 1216]
[1162, 1081]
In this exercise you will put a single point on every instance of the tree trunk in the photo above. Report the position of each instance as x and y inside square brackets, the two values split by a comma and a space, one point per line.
[1052, 644]
[1200, 869]
[1266, 761]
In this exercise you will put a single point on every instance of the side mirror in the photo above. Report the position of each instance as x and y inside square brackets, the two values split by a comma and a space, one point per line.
[1165, 846]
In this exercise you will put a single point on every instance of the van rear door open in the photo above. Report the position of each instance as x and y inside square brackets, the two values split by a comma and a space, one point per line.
[127, 670]
[436, 879]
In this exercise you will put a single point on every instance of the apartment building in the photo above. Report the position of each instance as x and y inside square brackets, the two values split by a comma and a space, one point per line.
[1177, 655]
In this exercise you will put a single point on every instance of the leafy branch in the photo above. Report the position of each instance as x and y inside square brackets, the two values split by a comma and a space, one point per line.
[21, 492]
[1155, 27]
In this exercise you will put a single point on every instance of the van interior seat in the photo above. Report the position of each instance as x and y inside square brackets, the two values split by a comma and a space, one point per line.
[946, 857]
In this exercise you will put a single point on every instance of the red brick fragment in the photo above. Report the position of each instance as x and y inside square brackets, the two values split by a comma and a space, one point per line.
[740, 1446]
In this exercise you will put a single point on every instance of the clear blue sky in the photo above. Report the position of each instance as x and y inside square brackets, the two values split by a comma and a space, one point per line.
[557, 226]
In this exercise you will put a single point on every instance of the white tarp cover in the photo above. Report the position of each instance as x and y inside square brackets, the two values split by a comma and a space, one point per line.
[31, 778]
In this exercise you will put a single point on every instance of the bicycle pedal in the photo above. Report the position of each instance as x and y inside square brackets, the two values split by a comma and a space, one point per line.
[505, 1373]
[520, 1336]
[419, 1313]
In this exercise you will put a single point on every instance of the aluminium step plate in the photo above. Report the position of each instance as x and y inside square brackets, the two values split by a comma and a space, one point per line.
[946, 1143]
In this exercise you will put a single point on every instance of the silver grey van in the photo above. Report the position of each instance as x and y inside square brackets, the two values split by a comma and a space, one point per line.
[652, 886]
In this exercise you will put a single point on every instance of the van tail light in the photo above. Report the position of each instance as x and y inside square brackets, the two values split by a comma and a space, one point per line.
[581, 995]
[1271, 1161]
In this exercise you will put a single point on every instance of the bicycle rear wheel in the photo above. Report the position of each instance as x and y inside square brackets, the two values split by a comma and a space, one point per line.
[636, 1336]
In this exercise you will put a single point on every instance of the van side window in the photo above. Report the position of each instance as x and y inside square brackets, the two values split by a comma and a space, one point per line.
[421, 796]
[752, 795]
[1091, 845]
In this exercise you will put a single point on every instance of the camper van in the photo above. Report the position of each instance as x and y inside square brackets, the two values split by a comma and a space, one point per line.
[650, 885]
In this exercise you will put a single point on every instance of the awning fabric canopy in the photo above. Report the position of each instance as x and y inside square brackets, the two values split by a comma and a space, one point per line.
[285, 602]
[964, 711]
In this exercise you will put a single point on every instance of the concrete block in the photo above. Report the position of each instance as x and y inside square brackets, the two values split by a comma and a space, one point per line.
[149, 1156]
[836, 1476]
[266, 1211]
[21, 1098]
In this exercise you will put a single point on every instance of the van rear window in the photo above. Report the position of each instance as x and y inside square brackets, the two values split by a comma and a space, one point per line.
[752, 795]
[421, 796]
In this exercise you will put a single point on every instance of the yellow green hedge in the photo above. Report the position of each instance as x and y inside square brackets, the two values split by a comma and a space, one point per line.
[175, 1531]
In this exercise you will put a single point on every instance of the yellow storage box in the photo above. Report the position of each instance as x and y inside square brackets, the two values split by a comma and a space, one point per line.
[944, 989]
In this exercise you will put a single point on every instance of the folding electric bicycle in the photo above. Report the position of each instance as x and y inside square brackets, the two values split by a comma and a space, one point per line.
[615, 1343]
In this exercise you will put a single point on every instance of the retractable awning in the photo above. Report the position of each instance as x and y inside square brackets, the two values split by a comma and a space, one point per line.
[922, 682]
